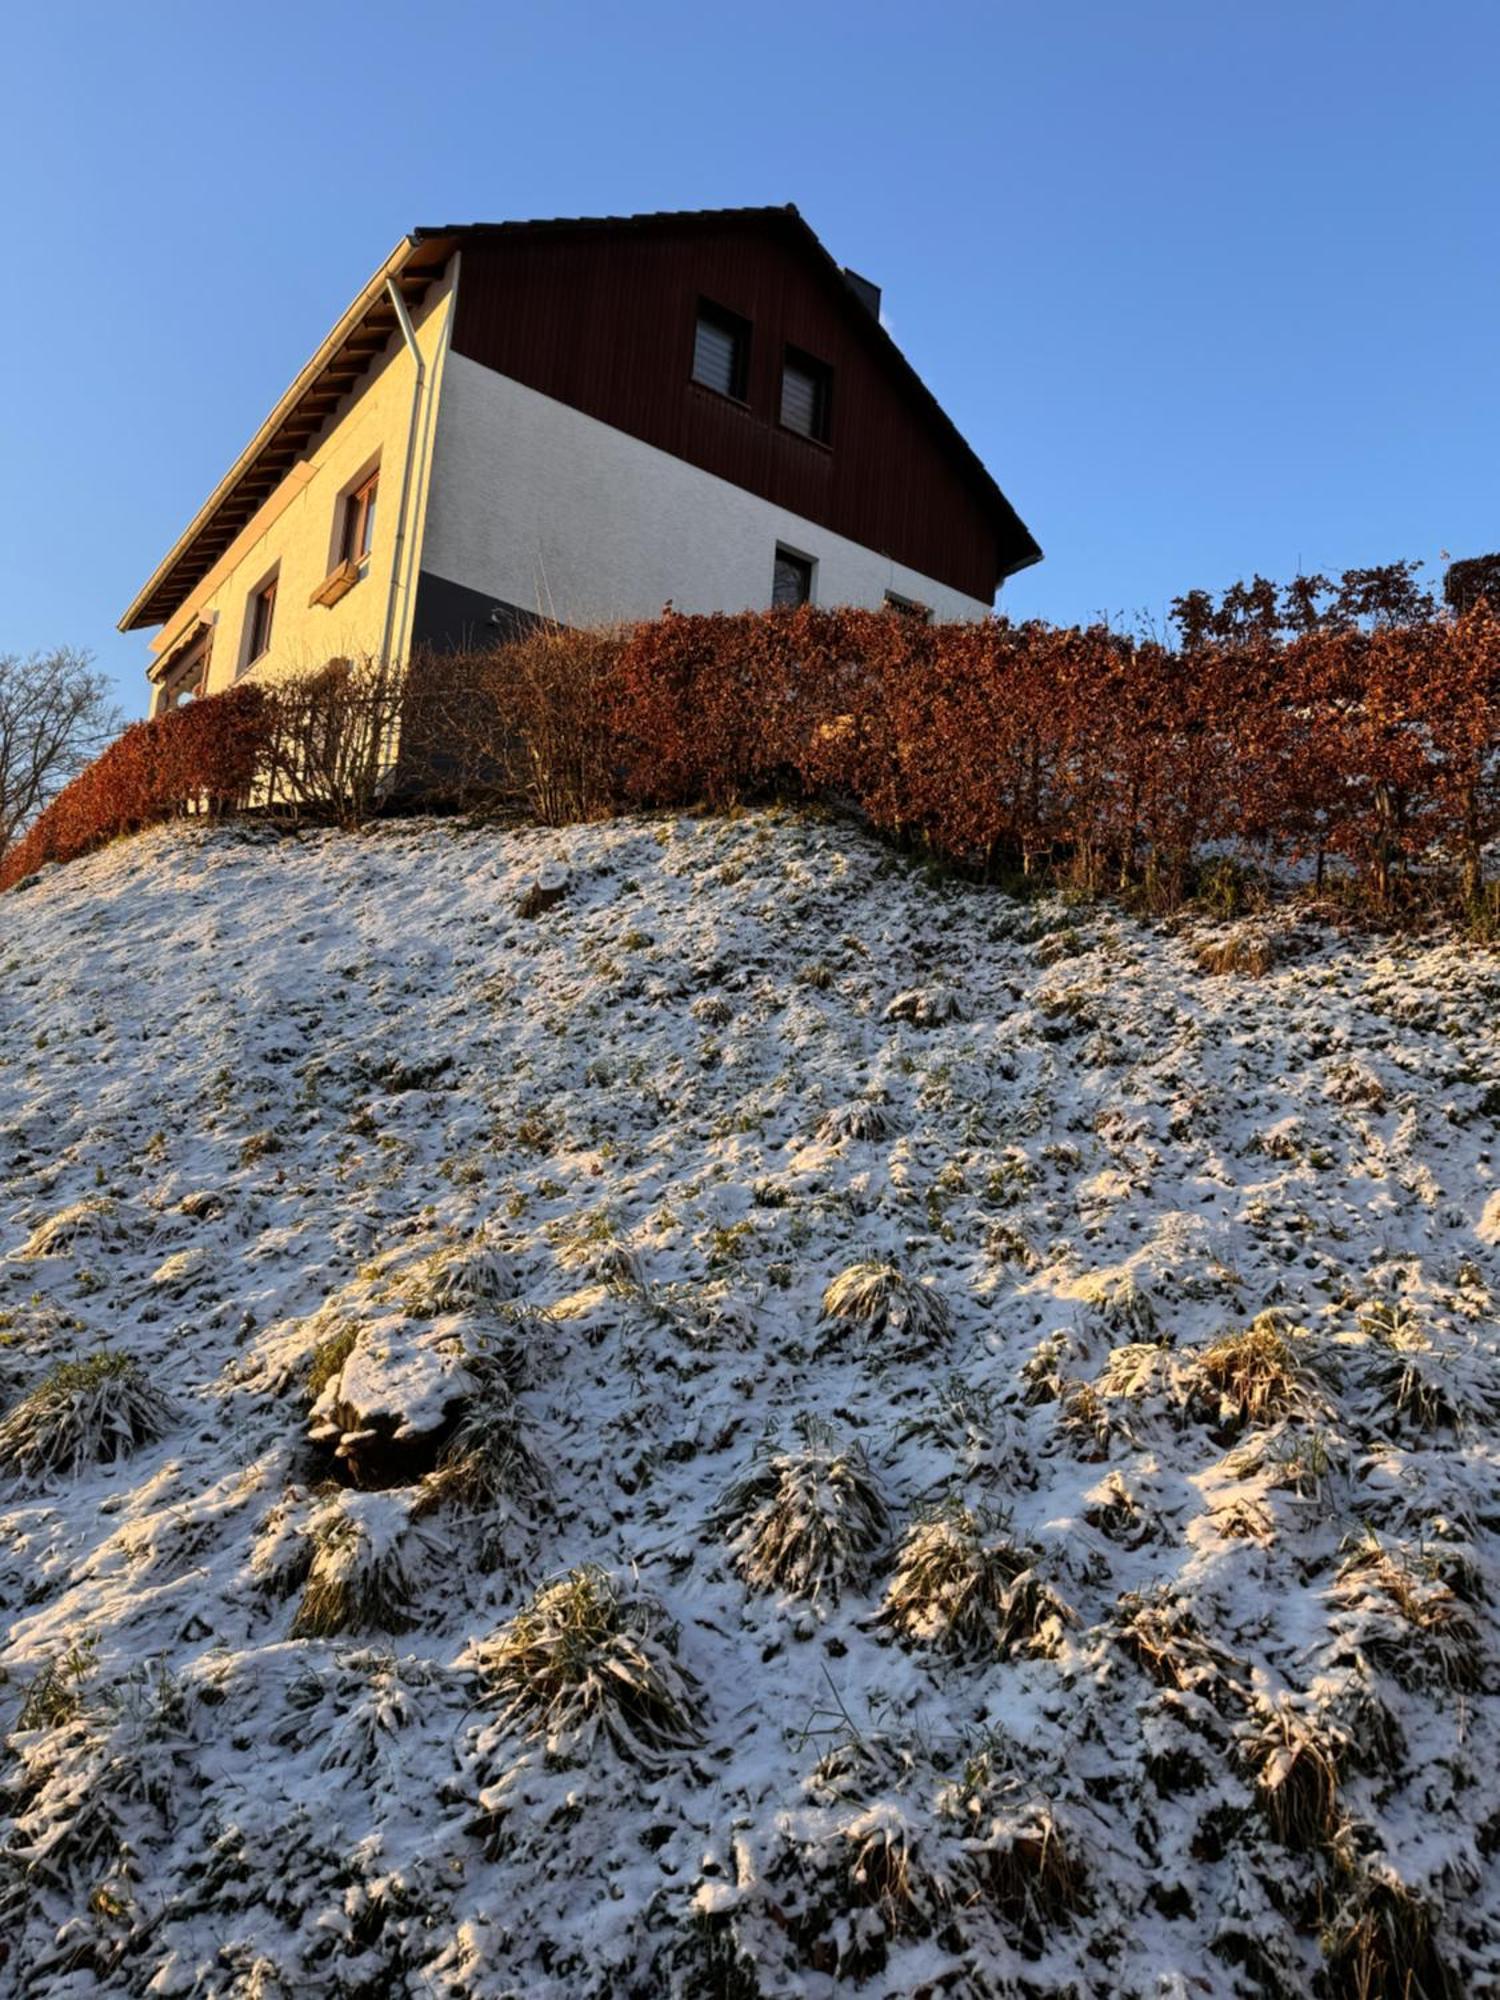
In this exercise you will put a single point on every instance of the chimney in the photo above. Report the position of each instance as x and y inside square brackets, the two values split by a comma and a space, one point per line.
[867, 294]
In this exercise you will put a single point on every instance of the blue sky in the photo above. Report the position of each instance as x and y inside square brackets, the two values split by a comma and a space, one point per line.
[1211, 287]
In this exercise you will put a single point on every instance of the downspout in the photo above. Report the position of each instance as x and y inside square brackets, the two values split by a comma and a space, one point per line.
[408, 334]
[424, 465]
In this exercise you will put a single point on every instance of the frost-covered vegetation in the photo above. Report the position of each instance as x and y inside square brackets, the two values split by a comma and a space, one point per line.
[758, 1426]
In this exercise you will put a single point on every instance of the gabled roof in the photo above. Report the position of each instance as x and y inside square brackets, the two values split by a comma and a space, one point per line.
[364, 329]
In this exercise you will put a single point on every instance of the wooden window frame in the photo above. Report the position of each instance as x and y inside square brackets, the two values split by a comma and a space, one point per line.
[820, 374]
[258, 629]
[356, 535]
[740, 332]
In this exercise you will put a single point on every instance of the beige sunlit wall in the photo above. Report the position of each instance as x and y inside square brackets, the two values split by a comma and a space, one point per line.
[295, 535]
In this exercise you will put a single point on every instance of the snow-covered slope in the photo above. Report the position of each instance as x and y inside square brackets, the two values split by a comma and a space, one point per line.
[1095, 1597]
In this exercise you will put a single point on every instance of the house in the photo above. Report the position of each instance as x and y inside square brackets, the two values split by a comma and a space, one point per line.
[580, 420]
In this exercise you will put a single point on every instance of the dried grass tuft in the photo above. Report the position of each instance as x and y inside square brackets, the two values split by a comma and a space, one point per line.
[83, 1413]
[1296, 1759]
[1160, 1632]
[93, 1220]
[592, 1660]
[962, 1586]
[862, 1121]
[328, 1358]
[907, 1316]
[925, 1007]
[1408, 1619]
[1254, 1376]
[1242, 950]
[1412, 1387]
[489, 1464]
[456, 1277]
[1381, 1944]
[1015, 1859]
[808, 1519]
[366, 1568]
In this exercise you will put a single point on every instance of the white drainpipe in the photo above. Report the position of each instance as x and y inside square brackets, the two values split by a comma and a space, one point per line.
[424, 464]
[408, 334]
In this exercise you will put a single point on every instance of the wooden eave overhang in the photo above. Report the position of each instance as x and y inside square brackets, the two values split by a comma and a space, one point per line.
[360, 335]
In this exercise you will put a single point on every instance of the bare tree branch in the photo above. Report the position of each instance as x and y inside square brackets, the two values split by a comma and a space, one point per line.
[55, 714]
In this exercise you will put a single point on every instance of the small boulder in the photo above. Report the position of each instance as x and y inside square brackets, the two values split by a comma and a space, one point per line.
[550, 886]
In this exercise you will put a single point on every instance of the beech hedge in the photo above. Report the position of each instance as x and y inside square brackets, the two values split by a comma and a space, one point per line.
[1081, 753]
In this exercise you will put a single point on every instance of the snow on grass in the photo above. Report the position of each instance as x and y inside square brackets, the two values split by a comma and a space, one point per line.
[81, 1412]
[758, 1426]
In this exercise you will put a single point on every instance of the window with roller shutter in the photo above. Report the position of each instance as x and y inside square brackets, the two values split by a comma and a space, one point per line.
[806, 395]
[721, 351]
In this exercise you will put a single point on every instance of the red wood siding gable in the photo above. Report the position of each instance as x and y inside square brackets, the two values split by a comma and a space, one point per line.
[602, 316]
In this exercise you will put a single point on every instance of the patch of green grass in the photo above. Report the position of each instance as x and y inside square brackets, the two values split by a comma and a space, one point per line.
[328, 1358]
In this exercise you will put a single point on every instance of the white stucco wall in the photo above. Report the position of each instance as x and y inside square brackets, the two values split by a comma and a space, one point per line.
[540, 506]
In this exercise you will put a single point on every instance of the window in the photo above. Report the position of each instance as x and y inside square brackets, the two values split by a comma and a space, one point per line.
[791, 582]
[908, 607]
[721, 351]
[805, 398]
[262, 610]
[186, 672]
[359, 521]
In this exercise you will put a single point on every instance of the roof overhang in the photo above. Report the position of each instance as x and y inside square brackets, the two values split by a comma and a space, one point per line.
[360, 335]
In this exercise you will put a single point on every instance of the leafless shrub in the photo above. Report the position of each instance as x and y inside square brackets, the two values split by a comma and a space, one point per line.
[333, 739]
[524, 729]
